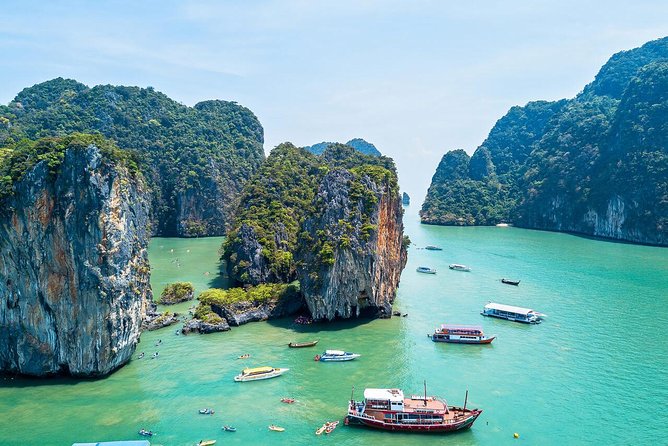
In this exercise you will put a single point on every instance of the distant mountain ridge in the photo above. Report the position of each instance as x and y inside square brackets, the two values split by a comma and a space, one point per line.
[596, 164]
[358, 144]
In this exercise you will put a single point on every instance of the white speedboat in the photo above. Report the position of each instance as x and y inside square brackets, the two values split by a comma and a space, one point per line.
[258, 373]
[336, 355]
[425, 270]
[459, 267]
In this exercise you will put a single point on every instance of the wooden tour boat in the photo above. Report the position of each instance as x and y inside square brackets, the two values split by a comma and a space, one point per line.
[302, 344]
[461, 334]
[510, 282]
[259, 373]
[388, 409]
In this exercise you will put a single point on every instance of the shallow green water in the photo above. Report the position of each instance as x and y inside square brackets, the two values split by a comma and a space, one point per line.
[593, 373]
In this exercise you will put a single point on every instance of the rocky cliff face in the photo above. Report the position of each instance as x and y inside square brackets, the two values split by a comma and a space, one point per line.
[359, 253]
[73, 267]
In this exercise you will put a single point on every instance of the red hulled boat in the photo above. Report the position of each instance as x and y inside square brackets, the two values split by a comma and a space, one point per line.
[388, 409]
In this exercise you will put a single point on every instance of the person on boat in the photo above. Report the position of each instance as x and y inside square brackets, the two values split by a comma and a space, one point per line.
[155, 355]
[141, 355]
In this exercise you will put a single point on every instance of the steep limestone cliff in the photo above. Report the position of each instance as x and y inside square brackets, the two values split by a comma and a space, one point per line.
[74, 276]
[333, 222]
[352, 250]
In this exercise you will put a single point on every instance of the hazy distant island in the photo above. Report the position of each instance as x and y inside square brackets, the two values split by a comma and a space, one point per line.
[596, 164]
[358, 144]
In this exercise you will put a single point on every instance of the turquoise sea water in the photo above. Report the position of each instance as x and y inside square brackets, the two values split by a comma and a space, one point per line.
[593, 373]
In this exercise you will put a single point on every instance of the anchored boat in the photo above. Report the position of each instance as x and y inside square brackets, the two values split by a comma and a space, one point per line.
[461, 334]
[512, 313]
[510, 282]
[258, 373]
[459, 267]
[433, 248]
[336, 355]
[425, 270]
[302, 344]
[388, 409]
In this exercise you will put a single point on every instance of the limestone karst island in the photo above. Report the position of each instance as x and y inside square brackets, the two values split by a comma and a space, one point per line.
[289, 223]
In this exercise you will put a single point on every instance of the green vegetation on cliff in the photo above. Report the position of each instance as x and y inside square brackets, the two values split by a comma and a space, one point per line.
[596, 164]
[196, 159]
[19, 157]
[268, 227]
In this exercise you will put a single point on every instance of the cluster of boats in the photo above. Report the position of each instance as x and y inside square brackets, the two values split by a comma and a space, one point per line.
[452, 266]
[327, 427]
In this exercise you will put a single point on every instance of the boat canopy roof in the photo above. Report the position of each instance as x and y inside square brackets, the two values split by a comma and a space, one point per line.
[335, 352]
[510, 308]
[461, 327]
[394, 395]
[265, 369]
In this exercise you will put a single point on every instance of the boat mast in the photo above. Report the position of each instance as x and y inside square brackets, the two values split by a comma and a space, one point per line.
[352, 395]
[425, 392]
[466, 398]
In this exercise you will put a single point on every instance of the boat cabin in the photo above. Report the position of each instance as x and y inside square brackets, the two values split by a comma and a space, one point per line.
[512, 313]
[257, 371]
[384, 399]
[458, 332]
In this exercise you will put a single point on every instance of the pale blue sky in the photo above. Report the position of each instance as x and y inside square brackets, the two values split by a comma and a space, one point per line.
[416, 78]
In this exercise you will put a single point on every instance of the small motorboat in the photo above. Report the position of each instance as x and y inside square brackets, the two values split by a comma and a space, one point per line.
[229, 429]
[425, 270]
[433, 248]
[244, 356]
[258, 373]
[206, 442]
[459, 267]
[288, 400]
[273, 427]
[320, 430]
[155, 355]
[207, 411]
[510, 282]
[336, 356]
[302, 344]
[145, 433]
[141, 355]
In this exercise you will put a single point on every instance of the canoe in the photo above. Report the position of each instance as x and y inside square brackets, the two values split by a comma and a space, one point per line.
[206, 442]
[276, 428]
[302, 344]
[510, 282]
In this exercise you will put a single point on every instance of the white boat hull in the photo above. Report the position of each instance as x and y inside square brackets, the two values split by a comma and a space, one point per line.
[273, 374]
[339, 358]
